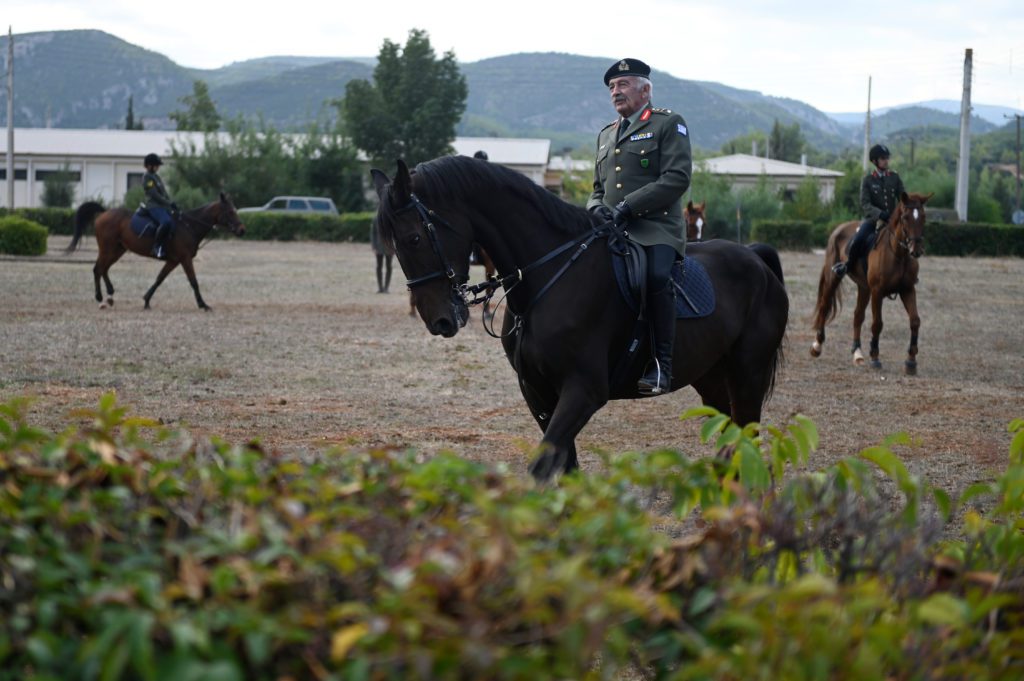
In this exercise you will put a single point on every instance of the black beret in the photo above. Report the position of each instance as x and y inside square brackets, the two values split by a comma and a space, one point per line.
[627, 67]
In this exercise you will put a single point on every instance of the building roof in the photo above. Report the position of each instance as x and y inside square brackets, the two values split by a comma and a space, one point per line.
[745, 164]
[65, 142]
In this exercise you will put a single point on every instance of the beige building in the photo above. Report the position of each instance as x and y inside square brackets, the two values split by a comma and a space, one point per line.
[105, 164]
[744, 171]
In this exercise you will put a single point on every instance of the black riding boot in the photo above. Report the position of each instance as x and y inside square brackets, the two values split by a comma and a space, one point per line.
[160, 241]
[662, 310]
[857, 246]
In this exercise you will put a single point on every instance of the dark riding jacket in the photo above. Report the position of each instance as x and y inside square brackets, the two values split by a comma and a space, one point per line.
[880, 192]
[156, 193]
[649, 166]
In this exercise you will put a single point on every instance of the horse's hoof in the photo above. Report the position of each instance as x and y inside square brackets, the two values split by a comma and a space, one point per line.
[858, 357]
[110, 302]
[875, 364]
[910, 368]
[546, 466]
[103, 306]
[816, 349]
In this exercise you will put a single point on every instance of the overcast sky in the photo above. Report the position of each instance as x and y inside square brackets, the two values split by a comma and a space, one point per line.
[814, 51]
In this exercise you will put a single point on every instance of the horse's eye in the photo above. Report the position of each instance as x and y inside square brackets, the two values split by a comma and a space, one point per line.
[413, 240]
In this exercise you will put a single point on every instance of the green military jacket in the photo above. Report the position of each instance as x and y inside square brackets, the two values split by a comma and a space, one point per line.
[649, 166]
[156, 193]
[880, 192]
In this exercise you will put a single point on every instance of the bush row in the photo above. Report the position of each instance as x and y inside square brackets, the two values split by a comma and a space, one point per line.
[19, 236]
[129, 551]
[941, 238]
[305, 227]
[55, 220]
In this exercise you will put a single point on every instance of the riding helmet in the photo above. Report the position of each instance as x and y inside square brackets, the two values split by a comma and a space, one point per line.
[152, 160]
[878, 151]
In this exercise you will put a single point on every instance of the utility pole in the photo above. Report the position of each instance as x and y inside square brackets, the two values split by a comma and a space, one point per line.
[911, 152]
[10, 119]
[963, 162]
[867, 130]
[1018, 117]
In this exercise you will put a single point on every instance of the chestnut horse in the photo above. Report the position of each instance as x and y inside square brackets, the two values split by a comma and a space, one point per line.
[695, 221]
[891, 270]
[114, 237]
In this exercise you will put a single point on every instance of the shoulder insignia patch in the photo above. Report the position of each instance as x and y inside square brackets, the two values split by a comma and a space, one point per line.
[682, 129]
[149, 184]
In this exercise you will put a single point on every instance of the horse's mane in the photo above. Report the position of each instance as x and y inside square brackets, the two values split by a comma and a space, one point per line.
[462, 178]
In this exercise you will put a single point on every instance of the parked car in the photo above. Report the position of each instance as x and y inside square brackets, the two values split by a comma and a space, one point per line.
[302, 204]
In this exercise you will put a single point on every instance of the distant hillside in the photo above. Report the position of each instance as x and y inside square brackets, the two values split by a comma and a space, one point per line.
[84, 78]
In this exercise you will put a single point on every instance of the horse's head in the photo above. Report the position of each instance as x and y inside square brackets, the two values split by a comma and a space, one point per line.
[694, 216]
[433, 245]
[909, 223]
[225, 215]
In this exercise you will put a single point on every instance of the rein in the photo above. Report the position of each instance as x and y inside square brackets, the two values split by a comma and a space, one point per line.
[459, 288]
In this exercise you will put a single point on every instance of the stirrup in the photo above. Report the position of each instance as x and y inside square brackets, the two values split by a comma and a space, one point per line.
[646, 387]
[839, 269]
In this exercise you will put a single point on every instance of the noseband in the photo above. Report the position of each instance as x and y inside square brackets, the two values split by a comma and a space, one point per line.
[907, 242]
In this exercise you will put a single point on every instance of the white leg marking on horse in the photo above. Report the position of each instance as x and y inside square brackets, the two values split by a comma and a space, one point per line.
[816, 346]
[858, 357]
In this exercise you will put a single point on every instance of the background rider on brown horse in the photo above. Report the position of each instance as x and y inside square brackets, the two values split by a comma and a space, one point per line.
[880, 191]
[158, 204]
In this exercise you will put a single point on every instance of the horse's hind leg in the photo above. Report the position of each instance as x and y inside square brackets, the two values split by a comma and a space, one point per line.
[909, 299]
[101, 270]
[863, 295]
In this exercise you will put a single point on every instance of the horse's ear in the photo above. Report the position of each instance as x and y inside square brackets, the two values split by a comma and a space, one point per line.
[904, 198]
[402, 185]
[689, 206]
[703, 204]
[380, 181]
[224, 198]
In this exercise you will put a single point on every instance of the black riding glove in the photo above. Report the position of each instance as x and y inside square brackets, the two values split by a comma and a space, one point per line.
[884, 216]
[175, 211]
[622, 213]
[601, 214]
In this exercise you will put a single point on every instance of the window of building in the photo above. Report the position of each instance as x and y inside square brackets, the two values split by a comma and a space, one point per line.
[44, 175]
[134, 180]
[19, 173]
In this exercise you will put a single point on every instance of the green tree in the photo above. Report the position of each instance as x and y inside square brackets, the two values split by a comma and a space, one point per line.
[129, 120]
[806, 203]
[411, 108]
[58, 189]
[785, 142]
[200, 113]
[744, 144]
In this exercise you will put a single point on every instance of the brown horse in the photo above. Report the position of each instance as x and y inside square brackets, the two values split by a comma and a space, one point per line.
[695, 220]
[114, 237]
[891, 270]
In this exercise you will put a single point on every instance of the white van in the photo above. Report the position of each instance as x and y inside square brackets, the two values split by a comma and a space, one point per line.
[302, 204]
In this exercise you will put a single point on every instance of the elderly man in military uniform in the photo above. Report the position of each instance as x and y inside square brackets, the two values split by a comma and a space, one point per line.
[642, 170]
[880, 191]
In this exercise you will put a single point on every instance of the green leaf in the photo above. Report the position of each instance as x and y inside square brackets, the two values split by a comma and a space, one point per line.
[713, 425]
[888, 462]
[698, 412]
[943, 501]
[943, 609]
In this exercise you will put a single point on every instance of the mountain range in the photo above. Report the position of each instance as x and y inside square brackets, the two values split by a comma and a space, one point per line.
[83, 79]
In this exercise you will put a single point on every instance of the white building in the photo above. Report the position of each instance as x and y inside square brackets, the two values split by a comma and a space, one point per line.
[105, 164]
[744, 171]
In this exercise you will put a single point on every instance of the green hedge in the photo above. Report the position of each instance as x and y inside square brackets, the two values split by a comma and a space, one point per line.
[19, 236]
[283, 226]
[972, 238]
[55, 220]
[128, 551]
[941, 238]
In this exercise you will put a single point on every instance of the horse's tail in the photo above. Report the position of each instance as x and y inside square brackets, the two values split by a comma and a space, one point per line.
[770, 256]
[830, 293]
[771, 259]
[84, 216]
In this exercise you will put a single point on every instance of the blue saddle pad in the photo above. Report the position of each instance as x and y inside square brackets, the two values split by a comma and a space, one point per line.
[695, 295]
[142, 222]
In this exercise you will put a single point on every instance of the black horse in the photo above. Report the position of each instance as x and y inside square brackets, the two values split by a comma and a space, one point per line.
[566, 326]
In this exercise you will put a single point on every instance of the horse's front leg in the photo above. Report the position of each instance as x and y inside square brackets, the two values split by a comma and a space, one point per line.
[863, 295]
[909, 299]
[168, 266]
[876, 328]
[577, 402]
[190, 272]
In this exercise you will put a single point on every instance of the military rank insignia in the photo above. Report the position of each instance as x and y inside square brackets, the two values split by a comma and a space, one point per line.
[641, 136]
[644, 162]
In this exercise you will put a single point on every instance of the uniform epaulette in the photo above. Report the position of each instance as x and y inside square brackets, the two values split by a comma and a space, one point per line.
[661, 111]
[610, 124]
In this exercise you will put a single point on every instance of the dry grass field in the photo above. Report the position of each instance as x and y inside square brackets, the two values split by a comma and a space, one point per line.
[301, 353]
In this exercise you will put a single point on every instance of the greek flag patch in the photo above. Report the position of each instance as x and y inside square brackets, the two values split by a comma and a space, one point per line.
[641, 136]
[682, 129]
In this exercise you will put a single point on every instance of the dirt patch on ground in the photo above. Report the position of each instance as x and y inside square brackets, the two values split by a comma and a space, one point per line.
[301, 352]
